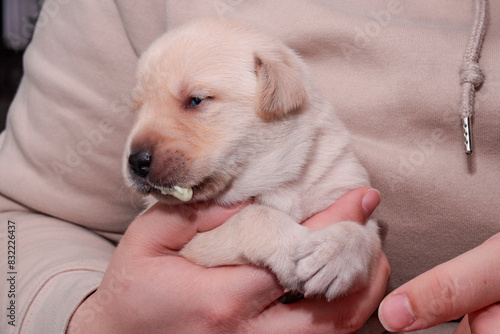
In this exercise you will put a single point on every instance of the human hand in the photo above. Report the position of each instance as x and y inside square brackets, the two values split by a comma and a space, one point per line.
[148, 289]
[465, 286]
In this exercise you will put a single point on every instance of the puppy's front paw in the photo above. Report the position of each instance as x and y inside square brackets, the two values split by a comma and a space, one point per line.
[331, 261]
[284, 267]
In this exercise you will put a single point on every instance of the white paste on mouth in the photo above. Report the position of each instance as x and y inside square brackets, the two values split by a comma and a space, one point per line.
[183, 194]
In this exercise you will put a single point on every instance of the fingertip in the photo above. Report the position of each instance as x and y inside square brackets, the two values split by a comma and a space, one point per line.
[357, 205]
[395, 312]
[370, 201]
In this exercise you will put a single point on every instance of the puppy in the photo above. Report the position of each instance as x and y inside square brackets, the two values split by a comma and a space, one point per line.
[227, 113]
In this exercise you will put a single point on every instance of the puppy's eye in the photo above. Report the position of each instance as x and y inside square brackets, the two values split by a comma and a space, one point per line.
[195, 101]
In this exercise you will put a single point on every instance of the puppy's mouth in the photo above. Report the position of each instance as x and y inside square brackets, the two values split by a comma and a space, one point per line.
[181, 193]
[210, 188]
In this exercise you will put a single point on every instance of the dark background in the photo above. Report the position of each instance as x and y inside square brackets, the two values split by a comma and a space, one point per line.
[22, 12]
[10, 75]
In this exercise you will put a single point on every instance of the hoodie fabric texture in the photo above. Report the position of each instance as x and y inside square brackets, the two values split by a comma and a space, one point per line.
[392, 69]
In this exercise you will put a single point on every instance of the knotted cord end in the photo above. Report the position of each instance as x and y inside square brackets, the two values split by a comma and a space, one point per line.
[472, 72]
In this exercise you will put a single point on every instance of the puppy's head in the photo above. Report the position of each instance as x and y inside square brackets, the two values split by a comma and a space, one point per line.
[211, 98]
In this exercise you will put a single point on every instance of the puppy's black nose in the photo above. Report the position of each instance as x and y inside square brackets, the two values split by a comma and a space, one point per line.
[139, 162]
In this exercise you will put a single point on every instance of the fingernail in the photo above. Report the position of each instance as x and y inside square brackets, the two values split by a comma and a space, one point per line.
[395, 313]
[370, 201]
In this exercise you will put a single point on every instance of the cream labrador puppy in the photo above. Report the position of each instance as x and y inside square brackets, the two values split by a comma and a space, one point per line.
[226, 113]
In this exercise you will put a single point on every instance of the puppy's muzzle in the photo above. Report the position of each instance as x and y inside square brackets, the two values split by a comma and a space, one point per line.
[164, 167]
[165, 176]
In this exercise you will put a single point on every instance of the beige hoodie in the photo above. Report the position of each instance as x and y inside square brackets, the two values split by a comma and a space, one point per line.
[391, 68]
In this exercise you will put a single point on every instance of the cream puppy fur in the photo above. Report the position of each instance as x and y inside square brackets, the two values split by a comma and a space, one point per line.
[226, 113]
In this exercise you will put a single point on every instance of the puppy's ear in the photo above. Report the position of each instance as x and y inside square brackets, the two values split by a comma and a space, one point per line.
[280, 83]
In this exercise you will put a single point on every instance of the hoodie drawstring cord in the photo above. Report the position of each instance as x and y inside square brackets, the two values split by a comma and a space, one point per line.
[471, 73]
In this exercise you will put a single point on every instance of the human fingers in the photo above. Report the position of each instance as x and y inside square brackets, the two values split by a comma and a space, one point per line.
[236, 292]
[162, 230]
[344, 315]
[486, 320]
[168, 292]
[463, 327]
[357, 205]
[483, 321]
[447, 292]
[166, 229]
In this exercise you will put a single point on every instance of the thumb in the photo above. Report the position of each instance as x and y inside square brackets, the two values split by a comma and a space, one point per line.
[357, 205]
[446, 292]
[166, 229]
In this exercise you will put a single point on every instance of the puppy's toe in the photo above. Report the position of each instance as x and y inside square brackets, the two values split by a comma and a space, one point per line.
[331, 261]
[322, 272]
[328, 283]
